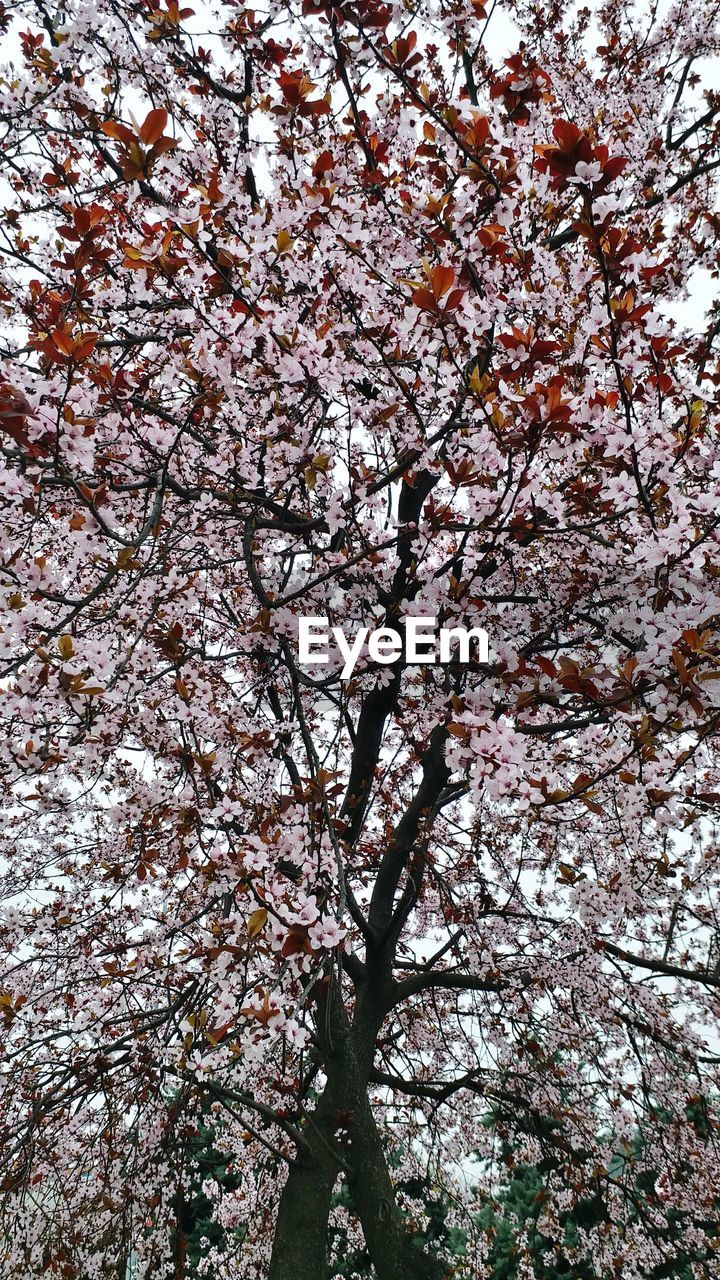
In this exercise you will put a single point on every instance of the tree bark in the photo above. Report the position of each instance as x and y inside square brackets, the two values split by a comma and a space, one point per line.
[300, 1244]
[394, 1254]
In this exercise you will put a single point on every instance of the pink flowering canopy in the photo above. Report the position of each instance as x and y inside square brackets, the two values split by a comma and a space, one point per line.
[360, 311]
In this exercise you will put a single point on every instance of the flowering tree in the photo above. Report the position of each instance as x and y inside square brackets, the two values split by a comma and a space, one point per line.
[331, 309]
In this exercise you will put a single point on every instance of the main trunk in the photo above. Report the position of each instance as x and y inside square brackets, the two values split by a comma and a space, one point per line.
[300, 1244]
[390, 1245]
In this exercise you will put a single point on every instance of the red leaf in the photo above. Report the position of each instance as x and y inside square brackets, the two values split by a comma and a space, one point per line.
[454, 299]
[14, 412]
[159, 149]
[614, 167]
[441, 279]
[114, 129]
[153, 126]
[546, 665]
[63, 341]
[85, 347]
[323, 163]
[425, 300]
[567, 134]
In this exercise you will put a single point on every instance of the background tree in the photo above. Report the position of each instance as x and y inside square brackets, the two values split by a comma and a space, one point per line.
[197, 1231]
[333, 309]
[512, 1217]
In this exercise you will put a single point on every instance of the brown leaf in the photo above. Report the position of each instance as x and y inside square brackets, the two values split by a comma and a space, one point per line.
[153, 126]
[256, 922]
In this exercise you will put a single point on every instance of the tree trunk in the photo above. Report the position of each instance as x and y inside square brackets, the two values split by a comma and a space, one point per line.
[300, 1244]
[390, 1245]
